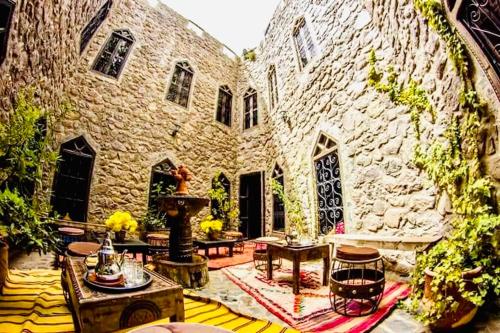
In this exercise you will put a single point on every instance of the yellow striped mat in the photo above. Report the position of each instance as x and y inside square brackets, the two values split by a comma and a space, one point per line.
[32, 301]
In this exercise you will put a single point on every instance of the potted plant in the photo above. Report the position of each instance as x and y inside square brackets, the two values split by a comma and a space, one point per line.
[120, 222]
[211, 227]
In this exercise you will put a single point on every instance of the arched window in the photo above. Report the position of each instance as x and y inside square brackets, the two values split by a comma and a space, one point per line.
[180, 86]
[6, 11]
[329, 186]
[113, 55]
[272, 84]
[303, 42]
[479, 24]
[221, 187]
[94, 24]
[162, 183]
[224, 104]
[278, 205]
[250, 108]
[70, 192]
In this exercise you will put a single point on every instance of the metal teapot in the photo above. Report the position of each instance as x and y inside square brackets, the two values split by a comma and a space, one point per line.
[109, 263]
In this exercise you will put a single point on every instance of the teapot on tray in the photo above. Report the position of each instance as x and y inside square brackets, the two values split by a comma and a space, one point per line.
[109, 263]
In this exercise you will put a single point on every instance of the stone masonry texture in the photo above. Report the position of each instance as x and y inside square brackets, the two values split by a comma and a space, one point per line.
[128, 121]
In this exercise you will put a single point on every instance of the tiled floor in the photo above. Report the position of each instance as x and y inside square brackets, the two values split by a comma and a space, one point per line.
[221, 289]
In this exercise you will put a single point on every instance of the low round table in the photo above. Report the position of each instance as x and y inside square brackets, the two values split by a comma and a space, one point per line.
[82, 249]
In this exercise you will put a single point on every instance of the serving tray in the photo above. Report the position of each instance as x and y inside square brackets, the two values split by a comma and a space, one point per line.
[117, 289]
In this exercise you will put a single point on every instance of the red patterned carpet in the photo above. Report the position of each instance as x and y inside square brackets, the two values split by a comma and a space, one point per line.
[310, 311]
[221, 260]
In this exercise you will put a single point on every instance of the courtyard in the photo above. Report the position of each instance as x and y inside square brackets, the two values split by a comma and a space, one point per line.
[312, 166]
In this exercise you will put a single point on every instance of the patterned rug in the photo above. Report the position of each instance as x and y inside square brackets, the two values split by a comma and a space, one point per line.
[222, 259]
[310, 311]
[32, 301]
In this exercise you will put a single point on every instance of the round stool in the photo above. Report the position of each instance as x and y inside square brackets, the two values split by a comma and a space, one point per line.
[82, 249]
[260, 253]
[158, 244]
[357, 281]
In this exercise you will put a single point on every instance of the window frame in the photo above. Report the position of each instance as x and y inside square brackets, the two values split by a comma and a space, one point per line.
[224, 89]
[130, 39]
[183, 66]
[91, 154]
[100, 16]
[277, 174]
[302, 32]
[253, 110]
[4, 40]
[453, 10]
[272, 84]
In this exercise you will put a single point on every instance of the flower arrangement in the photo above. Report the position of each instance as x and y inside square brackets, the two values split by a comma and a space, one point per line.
[121, 221]
[209, 224]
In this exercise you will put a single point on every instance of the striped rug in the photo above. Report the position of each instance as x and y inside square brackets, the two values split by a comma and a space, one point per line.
[310, 310]
[32, 301]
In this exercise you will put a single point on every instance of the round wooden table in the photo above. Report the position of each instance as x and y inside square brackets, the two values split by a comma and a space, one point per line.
[82, 249]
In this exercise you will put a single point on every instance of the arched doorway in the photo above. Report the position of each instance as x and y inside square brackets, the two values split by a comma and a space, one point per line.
[71, 188]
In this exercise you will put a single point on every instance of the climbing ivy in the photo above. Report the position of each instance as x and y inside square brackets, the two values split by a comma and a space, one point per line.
[453, 164]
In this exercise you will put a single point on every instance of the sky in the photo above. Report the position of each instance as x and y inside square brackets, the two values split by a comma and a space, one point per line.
[239, 24]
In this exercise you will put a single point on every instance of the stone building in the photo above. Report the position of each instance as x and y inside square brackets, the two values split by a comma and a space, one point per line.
[301, 110]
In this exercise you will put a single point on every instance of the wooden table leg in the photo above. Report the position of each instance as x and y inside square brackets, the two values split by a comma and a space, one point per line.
[326, 270]
[296, 275]
[230, 250]
[269, 265]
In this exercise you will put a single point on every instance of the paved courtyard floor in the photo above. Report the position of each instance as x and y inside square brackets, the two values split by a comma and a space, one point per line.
[223, 290]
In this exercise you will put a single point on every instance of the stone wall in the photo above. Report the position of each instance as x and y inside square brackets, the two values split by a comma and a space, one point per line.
[128, 121]
[383, 192]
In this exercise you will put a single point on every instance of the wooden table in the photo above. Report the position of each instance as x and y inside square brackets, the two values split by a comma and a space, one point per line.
[133, 246]
[297, 255]
[95, 311]
[207, 244]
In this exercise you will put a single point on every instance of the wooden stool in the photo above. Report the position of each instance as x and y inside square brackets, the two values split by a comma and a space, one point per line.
[158, 244]
[239, 246]
[357, 281]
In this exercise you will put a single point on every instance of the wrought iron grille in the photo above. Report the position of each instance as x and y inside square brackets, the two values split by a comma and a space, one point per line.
[224, 104]
[6, 11]
[93, 25]
[329, 188]
[482, 20]
[113, 56]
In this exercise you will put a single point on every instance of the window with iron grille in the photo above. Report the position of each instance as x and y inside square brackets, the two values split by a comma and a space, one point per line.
[224, 104]
[6, 11]
[113, 55]
[278, 205]
[93, 25]
[303, 42]
[180, 86]
[272, 84]
[70, 193]
[328, 186]
[251, 109]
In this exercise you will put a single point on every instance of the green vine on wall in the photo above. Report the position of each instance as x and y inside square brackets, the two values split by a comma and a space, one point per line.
[453, 164]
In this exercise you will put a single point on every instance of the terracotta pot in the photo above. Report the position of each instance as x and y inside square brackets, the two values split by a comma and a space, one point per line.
[4, 262]
[120, 236]
[466, 310]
